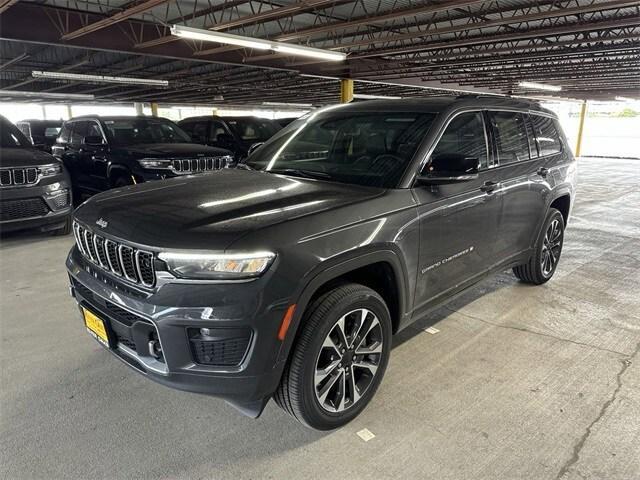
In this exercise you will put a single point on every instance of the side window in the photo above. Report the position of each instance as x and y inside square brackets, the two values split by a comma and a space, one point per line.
[199, 132]
[465, 135]
[24, 128]
[217, 129]
[93, 130]
[547, 136]
[187, 127]
[511, 137]
[65, 133]
[79, 132]
[533, 148]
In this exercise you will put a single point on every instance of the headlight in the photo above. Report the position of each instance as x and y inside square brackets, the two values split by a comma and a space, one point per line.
[155, 163]
[217, 266]
[50, 170]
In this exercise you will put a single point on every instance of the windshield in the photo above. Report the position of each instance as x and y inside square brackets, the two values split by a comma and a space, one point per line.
[368, 148]
[252, 130]
[133, 131]
[11, 137]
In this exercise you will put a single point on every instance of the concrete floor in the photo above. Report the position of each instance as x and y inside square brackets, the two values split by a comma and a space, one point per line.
[520, 382]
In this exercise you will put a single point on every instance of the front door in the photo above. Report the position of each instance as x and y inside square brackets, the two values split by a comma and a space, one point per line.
[458, 221]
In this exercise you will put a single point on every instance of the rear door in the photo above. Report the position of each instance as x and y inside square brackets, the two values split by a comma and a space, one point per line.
[524, 190]
[459, 221]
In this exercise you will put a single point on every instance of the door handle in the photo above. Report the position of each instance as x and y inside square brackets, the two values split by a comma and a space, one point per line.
[543, 172]
[98, 158]
[489, 187]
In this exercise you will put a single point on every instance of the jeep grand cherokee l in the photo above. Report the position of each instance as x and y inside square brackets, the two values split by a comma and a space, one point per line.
[106, 152]
[35, 191]
[287, 277]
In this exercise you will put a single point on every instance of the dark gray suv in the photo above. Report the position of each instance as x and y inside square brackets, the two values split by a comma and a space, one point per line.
[288, 276]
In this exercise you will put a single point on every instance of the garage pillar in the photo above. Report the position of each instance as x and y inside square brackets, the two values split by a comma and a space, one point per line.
[139, 108]
[69, 112]
[346, 90]
[154, 109]
[583, 114]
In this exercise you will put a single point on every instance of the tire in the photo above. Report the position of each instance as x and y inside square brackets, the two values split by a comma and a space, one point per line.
[333, 402]
[541, 266]
[122, 180]
[65, 229]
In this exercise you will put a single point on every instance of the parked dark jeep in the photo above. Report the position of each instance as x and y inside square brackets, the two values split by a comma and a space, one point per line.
[237, 134]
[288, 276]
[105, 152]
[35, 191]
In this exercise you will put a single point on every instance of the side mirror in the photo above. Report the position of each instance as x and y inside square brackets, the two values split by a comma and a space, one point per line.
[254, 147]
[450, 168]
[93, 140]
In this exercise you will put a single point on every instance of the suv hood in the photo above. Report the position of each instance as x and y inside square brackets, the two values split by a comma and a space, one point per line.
[210, 211]
[24, 157]
[170, 150]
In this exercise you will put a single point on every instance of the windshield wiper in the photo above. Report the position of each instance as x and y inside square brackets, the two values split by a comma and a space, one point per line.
[300, 173]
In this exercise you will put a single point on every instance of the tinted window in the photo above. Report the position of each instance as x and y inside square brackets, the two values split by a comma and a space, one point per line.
[533, 148]
[51, 131]
[199, 132]
[547, 136]
[217, 129]
[464, 136]
[24, 128]
[11, 137]
[252, 129]
[79, 131]
[65, 133]
[511, 136]
[362, 148]
[132, 131]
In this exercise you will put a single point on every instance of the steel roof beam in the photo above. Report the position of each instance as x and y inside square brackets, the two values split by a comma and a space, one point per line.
[113, 19]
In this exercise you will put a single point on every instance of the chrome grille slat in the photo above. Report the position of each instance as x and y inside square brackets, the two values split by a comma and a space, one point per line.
[132, 264]
[18, 176]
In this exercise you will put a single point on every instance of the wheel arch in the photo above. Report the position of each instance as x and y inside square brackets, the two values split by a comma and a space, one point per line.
[116, 169]
[388, 278]
[562, 203]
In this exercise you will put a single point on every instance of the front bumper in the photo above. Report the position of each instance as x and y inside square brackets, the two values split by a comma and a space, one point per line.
[46, 205]
[172, 314]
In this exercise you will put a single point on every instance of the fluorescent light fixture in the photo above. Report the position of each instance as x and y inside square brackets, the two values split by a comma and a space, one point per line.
[310, 52]
[257, 43]
[285, 104]
[364, 96]
[219, 37]
[625, 99]
[56, 96]
[540, 86]
[324, 77]
[81, 77]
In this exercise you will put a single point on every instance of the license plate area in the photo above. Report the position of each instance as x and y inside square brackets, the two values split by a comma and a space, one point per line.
[96, 327]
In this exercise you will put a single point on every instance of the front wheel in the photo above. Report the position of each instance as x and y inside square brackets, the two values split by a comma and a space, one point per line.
[543, 263]
[339, 358]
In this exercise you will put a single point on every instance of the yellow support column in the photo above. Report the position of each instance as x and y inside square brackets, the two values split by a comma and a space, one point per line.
[583, 114]
[346, 90]
[154, 109]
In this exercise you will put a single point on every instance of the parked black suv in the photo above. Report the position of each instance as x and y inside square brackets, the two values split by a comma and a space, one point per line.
[287, 277]
[237, 134]
[42, 133]
[106, 152]
[35, 191]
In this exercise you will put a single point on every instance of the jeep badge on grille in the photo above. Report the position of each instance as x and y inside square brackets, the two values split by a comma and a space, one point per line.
[102, 223]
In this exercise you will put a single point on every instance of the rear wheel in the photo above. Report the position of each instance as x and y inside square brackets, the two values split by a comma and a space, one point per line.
[122, 180]
[543, 263]
[339, 358]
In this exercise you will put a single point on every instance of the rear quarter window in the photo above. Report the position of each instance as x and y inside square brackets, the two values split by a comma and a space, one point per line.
[547, 136]
[65, 133]
[512, 141]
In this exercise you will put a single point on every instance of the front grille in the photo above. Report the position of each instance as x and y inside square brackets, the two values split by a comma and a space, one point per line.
[134, 265]
[220, 351]
[24, 208]
[18, 176]
[196, 165]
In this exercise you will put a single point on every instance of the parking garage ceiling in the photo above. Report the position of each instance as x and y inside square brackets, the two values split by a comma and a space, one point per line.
[589, 48]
